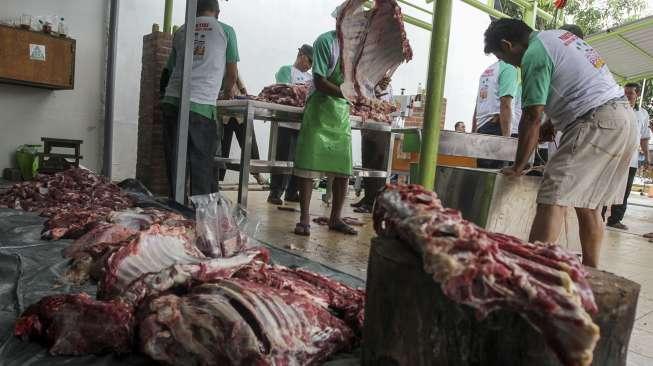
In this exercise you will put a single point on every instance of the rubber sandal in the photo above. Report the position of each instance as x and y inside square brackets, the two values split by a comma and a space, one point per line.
[363, 209]
[302, 230]
[648, 235]
[341, 227]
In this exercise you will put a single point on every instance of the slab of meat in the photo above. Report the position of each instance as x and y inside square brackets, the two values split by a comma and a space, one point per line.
[185, 276]
[76, 324]
[345, 302]
[488, 271]
[292, 95]
[374, 110]
[235, 322]
[71, 223]
[373, 44]
[72, 200]
[149, 252]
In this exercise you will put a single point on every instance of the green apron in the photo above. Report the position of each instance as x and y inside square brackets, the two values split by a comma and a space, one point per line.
[324, 142]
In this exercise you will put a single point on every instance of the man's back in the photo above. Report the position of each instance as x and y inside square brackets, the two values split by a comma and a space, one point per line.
[567, 75]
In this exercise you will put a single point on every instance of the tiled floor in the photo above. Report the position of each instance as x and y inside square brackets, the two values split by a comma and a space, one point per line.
[626, 254]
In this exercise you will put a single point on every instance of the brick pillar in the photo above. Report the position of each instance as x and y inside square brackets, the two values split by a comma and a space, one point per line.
[416, 118]
[150, 163]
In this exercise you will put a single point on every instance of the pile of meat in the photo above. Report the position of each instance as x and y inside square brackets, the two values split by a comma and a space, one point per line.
[292, 95]
[373, 44]
[73, 201]
[489, 271]
[179, 303]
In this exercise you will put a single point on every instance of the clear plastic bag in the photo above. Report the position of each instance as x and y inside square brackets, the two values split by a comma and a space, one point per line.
[221, 230]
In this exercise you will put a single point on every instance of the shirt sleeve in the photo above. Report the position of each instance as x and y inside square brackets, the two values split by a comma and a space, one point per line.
[508, 80]
[232, 44]
[283, 76]
[322, 55]
[537, 70]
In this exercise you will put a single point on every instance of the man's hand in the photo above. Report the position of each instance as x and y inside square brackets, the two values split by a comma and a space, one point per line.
[512, 171]
[243, 91]
[547, 131]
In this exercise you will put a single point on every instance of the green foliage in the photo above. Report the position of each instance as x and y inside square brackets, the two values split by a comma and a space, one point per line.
[591, 15]
[647, 101]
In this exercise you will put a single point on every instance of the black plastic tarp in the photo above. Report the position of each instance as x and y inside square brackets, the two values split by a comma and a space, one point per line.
[31, 268]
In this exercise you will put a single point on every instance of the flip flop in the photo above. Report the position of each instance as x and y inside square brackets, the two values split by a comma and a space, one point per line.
[363, 209]
[648, 235]
[341, 227]
[302, 230]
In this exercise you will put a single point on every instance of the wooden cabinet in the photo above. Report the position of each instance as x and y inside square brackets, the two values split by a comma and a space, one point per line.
[36, 59]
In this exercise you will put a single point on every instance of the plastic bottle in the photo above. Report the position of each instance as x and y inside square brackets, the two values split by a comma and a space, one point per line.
[61, 29]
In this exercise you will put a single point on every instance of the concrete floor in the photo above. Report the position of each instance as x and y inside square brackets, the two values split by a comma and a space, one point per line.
[626, 254]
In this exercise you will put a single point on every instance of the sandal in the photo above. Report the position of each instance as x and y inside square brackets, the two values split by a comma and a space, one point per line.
[302, 230]
[341, 227]
[363, 209]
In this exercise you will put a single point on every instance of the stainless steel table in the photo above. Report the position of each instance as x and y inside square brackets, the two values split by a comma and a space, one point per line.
[289, 117]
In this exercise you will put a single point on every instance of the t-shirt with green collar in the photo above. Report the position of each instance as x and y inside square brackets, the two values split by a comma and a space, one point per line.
[232, 56]
[565, 75]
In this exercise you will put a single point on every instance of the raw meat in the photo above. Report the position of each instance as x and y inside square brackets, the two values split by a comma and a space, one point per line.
[150, 252]
[71, 224]
[187, 275]
[73, 201]
[345, 302]
[90, 251]
[292, 95]
[76, 324]
[373, 44]
[489, 271]
[234, 322]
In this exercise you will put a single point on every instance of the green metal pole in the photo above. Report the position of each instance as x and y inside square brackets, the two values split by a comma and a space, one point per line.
[167, 17]
[435, 92]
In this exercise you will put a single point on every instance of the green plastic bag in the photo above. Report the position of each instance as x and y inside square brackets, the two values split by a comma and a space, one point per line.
[27, 160]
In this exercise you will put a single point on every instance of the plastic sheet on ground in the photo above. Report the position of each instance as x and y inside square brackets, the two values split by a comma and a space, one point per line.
[31, 268]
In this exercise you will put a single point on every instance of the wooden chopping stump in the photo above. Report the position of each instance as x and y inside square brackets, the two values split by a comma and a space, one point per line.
[409, 321]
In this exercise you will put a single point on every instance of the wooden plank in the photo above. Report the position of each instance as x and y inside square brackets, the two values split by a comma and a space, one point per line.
[57, 71]
[408, 320]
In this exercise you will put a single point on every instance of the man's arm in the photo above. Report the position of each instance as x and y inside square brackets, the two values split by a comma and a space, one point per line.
[505, 114]
[167, 71]
[474, 121]
[643, 143]
[325, 86]
[231, 74]
[529, 135]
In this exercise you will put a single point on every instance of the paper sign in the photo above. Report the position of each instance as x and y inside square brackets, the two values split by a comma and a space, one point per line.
[37, 52]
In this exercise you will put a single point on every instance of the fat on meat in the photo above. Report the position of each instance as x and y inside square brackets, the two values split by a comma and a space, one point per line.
[488, 271]
[235, 322]
[345, 302]
[76, 324]
[373, 44]
[185, 276]
[149, 252]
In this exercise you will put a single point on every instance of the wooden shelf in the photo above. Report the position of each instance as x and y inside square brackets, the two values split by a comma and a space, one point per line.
[36, 59]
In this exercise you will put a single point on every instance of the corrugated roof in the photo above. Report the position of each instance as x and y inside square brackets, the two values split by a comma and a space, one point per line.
[627, 49]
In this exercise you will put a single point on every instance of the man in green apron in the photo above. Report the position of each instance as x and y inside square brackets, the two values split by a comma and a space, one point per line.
[324, 142]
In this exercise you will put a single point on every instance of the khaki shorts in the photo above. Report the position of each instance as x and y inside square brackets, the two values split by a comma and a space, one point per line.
[590, 167]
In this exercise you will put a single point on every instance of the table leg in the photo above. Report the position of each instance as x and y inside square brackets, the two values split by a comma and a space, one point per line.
[274, 137]
[388, 157]
[245, 156]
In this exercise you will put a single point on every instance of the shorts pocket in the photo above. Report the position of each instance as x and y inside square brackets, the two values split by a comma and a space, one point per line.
[610, 124]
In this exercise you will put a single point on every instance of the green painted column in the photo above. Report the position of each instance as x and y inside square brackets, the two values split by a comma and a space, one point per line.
[435, 91]
[167, 17]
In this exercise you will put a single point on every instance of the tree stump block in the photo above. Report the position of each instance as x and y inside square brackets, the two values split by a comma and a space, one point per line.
[409, 321]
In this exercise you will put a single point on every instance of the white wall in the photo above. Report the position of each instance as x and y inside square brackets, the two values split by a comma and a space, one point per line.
[269, 33]
[27, 114]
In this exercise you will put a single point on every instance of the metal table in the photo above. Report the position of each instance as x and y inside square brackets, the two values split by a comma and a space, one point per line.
[288, 117]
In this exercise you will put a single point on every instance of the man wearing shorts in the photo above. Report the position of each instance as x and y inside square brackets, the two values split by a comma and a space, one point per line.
[568, 80]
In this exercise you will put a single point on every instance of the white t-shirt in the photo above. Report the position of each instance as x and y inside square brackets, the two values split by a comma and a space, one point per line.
[209, 61]
[498, 80]
[566, 75]
[299, 77]
[643, 132]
